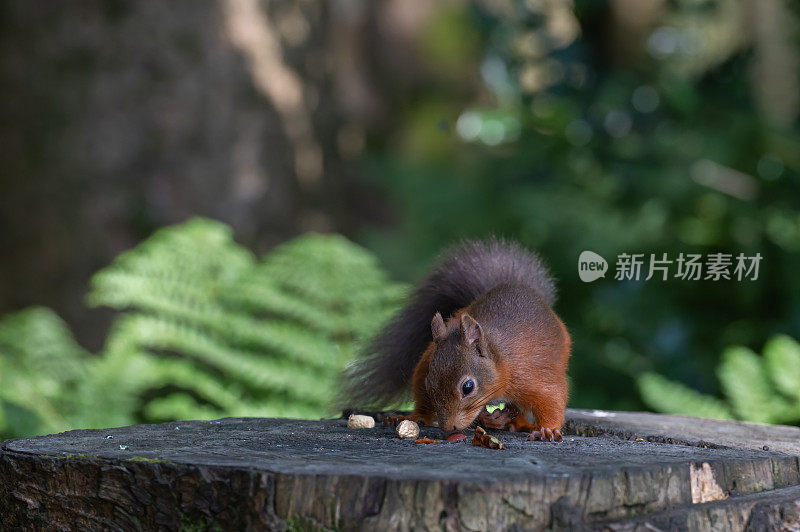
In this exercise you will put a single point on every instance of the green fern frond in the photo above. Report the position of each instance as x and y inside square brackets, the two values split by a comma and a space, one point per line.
[276, 331]
[329, 278]
[180, 406]
[206, 330]
[761, 389]
[782, 356]
[201, 252]
[745, 382]
[40, 371]
[238, 329]
[266, 301]
[245, 367]
[670, 397]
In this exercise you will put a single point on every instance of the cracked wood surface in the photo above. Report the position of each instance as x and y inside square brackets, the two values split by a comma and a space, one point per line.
[614, 470]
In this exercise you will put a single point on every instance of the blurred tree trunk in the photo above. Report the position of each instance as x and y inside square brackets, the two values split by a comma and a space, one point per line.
[119, 117]
[775, 68]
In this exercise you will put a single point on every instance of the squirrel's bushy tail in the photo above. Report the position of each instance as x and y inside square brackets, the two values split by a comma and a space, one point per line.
[381, 374]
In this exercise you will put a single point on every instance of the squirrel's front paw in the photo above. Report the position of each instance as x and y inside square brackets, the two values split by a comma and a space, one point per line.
[393, 420]
[499, 419]
[545, 434]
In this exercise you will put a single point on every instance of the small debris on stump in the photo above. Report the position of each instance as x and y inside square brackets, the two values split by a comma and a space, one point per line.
[456, 437]
[408, 429]
[360, 422]
[481, 439]
[427, 440]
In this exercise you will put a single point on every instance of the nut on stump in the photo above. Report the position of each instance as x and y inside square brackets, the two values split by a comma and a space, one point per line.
[407, 429]
[356, 421]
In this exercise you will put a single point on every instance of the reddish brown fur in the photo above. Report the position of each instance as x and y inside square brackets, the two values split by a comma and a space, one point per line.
[423, 410]
[528, 349]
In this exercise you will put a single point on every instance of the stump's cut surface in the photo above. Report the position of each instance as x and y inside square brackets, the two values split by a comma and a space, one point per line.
[614, 470]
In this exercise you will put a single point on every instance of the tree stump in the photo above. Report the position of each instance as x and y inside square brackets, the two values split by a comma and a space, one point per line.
[613, 471]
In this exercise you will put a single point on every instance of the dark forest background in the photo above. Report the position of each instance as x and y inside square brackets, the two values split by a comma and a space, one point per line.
[617, 126]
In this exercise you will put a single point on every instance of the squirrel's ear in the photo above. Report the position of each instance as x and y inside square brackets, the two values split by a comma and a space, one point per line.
[470, 329]
[438, 330]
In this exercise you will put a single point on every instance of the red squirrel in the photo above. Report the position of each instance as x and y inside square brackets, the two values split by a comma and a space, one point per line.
[479, 328]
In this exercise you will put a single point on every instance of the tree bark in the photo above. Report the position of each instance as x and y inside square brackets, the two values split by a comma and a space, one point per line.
[626, 471]
[121, 117]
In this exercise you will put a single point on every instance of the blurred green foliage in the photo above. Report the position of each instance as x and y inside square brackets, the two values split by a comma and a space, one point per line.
[572, 141]
[41, 371]
[552, 123]
[206, 330]
[762, 389]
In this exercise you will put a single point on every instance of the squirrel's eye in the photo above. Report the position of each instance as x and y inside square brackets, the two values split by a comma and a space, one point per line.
[467, 387]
